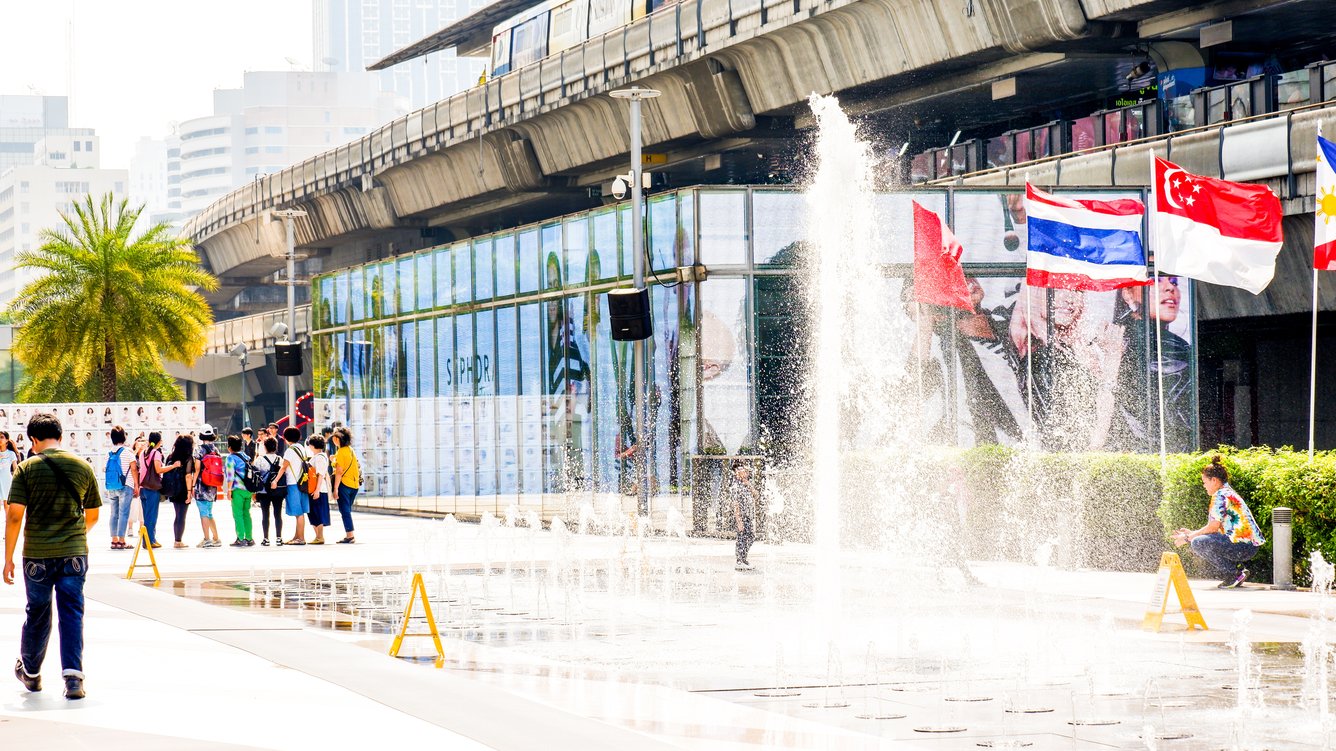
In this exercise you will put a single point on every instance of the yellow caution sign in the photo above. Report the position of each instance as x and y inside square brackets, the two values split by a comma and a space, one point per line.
[144, 544]
[1169, 575]
[417, 589]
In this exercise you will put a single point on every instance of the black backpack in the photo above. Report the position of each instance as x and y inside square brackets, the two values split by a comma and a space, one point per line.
[267, 474]
[174, 482]
[251, 478]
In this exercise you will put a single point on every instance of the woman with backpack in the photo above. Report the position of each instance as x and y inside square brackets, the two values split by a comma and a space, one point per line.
[208, 481]
[149, 471]
[271, 500]
[178, 480]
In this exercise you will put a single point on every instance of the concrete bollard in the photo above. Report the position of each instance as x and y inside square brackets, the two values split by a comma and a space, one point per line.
[1282, 548]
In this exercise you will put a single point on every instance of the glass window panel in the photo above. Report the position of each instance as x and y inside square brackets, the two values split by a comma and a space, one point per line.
[550, 238]
[725, 370]
[556, 376]
[991, 226]
[426, 360]
[778, 227]
[385, 383]
[611, 368]
[1084, 131]
[603, 257]
[663, 232]
[528, 261]
[389, 289]
[531, 399]
[441, 261]
[321, 306]
[507, 388]
[482, 270]
[408, 359]
[426, 292]
[663, 364]
[357, 294]
[579, 390]
[465, 379]
[405, 284]
[360, 365]
[686, 228]
[341, 298]
[999, 151]
[375, 293]
[485, 402]
[503, 248]
[463, 254]
[576, 241]
[723, 228]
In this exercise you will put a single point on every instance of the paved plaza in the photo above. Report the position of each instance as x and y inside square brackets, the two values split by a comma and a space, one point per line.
[224, 654]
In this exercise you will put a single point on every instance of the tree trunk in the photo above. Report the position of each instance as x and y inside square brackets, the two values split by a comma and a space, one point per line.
[108, 371]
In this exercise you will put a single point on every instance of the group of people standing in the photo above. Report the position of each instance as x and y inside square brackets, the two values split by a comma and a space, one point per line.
[274, 470]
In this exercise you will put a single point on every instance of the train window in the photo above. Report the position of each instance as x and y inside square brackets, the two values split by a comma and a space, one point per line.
[529, 42]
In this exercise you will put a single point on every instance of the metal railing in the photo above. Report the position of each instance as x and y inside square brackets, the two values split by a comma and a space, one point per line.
[668, 37]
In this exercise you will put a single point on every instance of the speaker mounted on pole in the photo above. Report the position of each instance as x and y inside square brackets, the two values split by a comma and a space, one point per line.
[628, 310]
[288, 358]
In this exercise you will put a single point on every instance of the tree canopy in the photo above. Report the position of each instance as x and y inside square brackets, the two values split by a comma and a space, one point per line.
[108, 308]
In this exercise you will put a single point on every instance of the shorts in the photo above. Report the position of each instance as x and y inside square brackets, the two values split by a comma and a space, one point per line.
[320, 510]
[205, 509]
[298, 502]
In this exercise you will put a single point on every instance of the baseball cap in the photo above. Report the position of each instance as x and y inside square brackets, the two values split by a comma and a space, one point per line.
[205, 431]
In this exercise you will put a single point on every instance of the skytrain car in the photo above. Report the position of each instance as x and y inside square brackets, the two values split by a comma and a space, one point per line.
[555, 25]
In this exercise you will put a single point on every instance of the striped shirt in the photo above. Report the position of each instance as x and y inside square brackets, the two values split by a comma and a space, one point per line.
[54, 521]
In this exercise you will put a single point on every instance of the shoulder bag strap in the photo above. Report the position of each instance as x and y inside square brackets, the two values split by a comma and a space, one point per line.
[62, 479]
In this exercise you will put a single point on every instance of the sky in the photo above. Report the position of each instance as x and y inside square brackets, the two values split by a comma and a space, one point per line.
[134, 67]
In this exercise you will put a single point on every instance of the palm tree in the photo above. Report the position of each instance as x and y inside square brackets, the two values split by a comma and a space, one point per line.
[108, 304]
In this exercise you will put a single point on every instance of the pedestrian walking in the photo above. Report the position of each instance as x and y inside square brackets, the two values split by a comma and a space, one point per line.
[55, 501]
[296, 463]
[180, 477]
[208, 483]
[248, 445]
[236, 467]
[116, 480]
[9, 464]
[347, 479]
[320, 482]
[271, 498]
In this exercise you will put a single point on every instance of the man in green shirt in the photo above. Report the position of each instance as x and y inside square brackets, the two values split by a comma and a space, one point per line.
[58, 494]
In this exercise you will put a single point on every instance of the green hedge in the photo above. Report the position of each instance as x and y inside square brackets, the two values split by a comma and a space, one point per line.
[1102, 510]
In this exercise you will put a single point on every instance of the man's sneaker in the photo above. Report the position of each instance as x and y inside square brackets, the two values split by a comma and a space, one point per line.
[1232, 582]
[74, 687]
[237, 544]
[31, 682]
[743, 567]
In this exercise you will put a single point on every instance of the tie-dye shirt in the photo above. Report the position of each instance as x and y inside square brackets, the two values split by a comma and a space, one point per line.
[1228, 508]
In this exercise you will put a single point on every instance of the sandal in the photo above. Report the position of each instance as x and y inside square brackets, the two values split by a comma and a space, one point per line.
[346, 541]
[295, 542]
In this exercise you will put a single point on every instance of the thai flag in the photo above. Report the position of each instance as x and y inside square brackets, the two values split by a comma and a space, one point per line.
[1084, 245]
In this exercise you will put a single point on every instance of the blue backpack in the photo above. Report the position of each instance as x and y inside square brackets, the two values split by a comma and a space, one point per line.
[114, 473]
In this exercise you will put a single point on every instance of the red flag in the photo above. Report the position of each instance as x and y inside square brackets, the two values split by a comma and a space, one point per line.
[938, 277]
[1215, 230]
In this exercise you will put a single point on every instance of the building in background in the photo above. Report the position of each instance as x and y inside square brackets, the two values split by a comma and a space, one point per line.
[26, 119]
[62, 170]
[352, 34]
[155, 181]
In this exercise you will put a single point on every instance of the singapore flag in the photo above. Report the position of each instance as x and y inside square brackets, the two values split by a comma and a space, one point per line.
[1215, 230]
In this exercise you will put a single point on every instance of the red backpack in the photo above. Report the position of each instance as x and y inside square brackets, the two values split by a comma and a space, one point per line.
[211, 469]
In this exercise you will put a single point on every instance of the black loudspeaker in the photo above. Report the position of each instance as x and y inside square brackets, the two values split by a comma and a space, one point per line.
[288, 359]
[629, 311]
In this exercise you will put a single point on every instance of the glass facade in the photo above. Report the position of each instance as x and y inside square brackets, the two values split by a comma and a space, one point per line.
[483, 374]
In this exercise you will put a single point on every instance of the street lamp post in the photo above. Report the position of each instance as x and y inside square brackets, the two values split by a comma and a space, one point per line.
[288, 216]
[240, 351]
[635, 95]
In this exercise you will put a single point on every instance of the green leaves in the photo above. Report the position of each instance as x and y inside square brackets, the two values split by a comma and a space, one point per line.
[109, 304]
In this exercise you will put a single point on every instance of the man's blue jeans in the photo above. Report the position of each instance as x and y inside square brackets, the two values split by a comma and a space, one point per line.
[63, 577]
[120, 501]
[1224, 555]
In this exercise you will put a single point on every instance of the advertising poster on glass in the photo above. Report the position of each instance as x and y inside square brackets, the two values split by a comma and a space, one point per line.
[87, 425]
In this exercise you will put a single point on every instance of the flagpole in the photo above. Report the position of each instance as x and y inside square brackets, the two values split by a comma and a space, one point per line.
[1312, 374]
[1029, 321]
[1312, 366]
[1152, 304]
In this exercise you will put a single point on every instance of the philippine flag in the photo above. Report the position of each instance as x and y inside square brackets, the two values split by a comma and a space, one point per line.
[1084, 244]
[1324, 216]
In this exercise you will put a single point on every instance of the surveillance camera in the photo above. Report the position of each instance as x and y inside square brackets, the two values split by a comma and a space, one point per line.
[278, 329]
[619, 188]
[238, 351]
